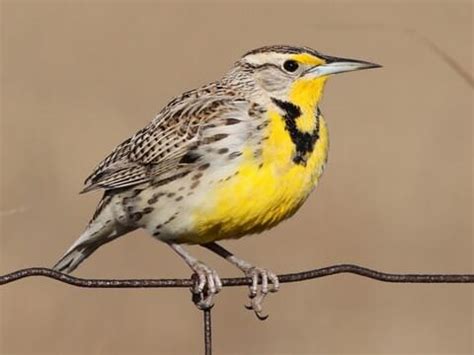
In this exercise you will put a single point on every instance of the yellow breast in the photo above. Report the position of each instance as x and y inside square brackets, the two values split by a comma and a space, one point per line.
[261, 195]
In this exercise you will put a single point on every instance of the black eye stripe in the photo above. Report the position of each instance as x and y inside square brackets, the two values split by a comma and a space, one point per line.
[261, 66]
[264, 66]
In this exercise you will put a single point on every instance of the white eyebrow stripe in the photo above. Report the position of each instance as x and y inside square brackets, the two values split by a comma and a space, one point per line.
[264, 58]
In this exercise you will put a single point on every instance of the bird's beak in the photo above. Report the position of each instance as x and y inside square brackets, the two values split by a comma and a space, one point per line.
[336, 65]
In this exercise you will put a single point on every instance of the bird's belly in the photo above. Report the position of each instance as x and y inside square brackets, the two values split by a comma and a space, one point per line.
[259, 195]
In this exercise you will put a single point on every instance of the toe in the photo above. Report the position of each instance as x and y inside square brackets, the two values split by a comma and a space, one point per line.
[211, 285]
[256, 306]
[264, 288]
[202, 282]
[206, 284]
[275, 282]
[207, 302]
[254, 286]
[217, 281]
[257, 294]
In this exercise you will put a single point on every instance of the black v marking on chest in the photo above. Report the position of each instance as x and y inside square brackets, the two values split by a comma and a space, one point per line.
[304, 141]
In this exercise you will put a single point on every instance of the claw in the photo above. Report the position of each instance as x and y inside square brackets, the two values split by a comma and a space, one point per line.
[257, 295]
[256, 306]
[206, 284]
[260, 317]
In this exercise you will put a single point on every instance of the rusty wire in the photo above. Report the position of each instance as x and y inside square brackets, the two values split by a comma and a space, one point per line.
[241, 281]
[238, 281]
[207, 331]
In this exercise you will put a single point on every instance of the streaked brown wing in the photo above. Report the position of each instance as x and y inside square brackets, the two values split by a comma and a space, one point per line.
[159, 147]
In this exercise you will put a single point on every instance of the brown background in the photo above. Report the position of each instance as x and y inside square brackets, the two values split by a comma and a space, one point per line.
[79, 77]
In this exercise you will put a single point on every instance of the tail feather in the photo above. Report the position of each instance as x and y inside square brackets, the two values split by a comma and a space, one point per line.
[102, 229]
[71, 260]
[86, 245]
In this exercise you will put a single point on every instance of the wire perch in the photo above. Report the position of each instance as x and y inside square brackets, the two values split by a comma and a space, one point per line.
[240, 281]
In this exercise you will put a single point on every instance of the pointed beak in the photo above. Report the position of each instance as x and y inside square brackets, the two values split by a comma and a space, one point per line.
[336, 65]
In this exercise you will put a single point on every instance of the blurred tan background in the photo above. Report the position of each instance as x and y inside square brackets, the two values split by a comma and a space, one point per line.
[78, 77]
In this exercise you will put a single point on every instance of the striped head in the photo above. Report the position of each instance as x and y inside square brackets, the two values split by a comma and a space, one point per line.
[294, 74]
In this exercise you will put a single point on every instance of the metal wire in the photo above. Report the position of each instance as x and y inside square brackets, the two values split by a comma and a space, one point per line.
[238, 281]
[207, 331]
[241, 281]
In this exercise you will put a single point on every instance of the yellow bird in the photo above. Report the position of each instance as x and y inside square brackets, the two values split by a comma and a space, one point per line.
[233, 157]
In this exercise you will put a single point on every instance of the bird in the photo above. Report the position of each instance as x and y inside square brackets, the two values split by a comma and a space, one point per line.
[231, 158]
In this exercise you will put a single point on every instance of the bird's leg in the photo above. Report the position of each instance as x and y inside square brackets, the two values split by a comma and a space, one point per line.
[207, 282]
[255, 273]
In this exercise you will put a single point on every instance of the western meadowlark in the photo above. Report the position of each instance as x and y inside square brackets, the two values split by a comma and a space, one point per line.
[231, 158]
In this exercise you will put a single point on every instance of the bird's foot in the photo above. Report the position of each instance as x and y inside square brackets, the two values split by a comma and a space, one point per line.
[269, 283]
[206, 284]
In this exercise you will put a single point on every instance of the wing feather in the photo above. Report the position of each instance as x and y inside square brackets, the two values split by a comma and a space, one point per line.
[158, 148]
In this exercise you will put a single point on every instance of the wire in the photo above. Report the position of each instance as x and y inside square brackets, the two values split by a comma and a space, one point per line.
[241, 281]
[207, 331]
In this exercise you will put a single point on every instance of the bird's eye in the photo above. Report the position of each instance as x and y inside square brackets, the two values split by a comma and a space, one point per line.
[290, 65]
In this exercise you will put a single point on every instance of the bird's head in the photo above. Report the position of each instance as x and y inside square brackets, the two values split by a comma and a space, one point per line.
[295, 74]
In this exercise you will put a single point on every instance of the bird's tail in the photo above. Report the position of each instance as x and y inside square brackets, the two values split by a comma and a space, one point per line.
[102, 229]
[72, 258]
